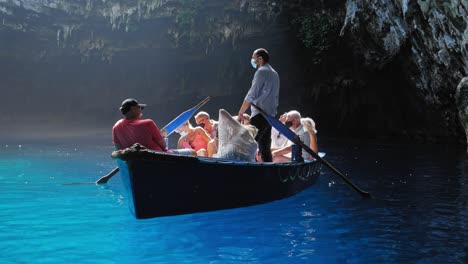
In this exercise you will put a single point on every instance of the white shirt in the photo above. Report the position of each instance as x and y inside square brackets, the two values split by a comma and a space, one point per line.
[305, 138]
[278, 140]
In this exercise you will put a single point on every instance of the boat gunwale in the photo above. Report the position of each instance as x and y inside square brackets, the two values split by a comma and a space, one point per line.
[133, 153]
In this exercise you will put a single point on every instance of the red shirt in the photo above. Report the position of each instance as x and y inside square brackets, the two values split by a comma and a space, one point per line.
[126, 132]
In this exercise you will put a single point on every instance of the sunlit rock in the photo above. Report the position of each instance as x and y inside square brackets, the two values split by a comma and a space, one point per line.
[431, 35]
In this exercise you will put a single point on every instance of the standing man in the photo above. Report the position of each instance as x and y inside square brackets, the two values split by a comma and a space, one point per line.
[264, 93]
[132, 129]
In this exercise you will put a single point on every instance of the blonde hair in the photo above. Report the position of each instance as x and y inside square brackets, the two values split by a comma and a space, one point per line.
[186, 124]
[202, 114]
[309, 124]
[252, 130]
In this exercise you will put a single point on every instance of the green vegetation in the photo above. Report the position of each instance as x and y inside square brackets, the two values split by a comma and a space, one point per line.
[186, 12]
[317, 32]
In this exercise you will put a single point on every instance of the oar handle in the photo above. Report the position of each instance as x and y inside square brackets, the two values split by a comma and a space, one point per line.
[202, 103]
[105, 179]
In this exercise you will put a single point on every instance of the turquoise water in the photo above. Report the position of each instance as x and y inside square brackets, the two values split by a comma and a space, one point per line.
[50, 212]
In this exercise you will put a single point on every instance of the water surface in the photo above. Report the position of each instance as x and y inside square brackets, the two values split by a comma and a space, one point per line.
[50, 213]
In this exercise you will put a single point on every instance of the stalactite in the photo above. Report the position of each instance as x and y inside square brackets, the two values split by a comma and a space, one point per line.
[427, 39]
[59, 31]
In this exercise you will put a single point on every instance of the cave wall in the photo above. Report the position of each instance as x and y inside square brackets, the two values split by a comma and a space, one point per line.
[428, 39]
[384, 69]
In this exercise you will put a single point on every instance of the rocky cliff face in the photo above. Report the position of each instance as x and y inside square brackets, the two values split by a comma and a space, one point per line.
[432, 36]
[462, 104]
[386, 68]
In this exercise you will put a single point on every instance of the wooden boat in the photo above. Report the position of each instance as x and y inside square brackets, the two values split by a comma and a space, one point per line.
[162, 184]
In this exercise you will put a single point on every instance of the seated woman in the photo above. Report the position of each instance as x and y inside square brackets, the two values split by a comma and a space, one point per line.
[193, 138]
[309, 126]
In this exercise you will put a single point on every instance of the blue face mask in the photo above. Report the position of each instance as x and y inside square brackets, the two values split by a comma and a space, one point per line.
[254, 63]
[183, 133]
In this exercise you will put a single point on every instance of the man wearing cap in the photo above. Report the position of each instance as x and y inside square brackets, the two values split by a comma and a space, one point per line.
[132, 129]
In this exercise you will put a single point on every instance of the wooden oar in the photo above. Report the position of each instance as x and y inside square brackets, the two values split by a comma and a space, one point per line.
[165, 131]
[288, 133]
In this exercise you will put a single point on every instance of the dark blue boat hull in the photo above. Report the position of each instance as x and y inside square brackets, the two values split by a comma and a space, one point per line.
[162, 184]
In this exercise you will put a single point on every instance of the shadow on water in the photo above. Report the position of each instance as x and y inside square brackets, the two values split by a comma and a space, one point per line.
[418, 210]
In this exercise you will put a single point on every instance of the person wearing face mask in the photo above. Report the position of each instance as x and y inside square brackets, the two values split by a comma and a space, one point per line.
[264, 92]
[194, 139]
[204, 121]
[132, 129]
[293, 122]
